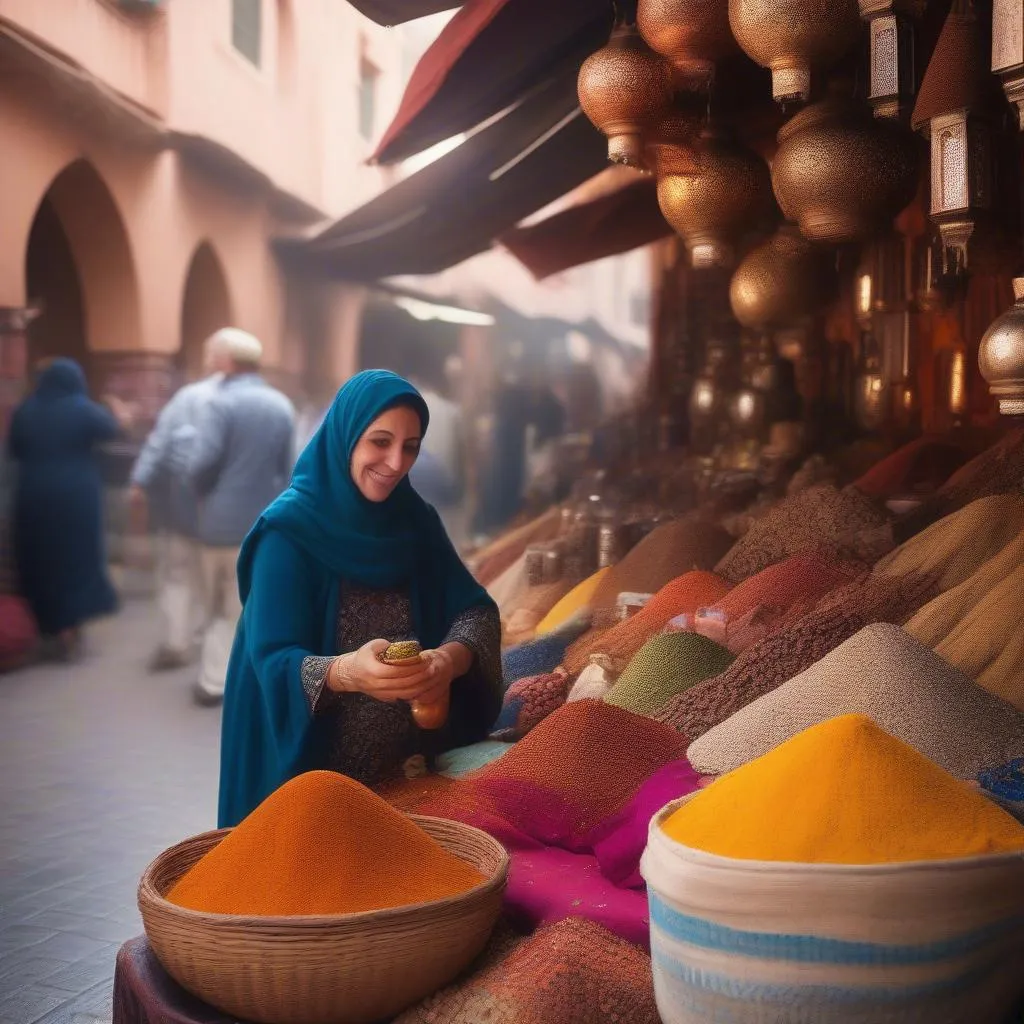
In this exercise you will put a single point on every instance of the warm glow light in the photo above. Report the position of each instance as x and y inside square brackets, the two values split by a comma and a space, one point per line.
[864, 294]
[958, 382]
[745, 405]
[423, 310]
[703, 395]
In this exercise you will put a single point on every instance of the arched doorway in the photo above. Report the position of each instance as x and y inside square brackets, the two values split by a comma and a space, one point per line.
[80, 271]
[53, 284]
[205, 308]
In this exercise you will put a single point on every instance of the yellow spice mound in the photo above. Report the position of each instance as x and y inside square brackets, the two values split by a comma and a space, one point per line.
[322, 844]
[575, 601]
[843, 792]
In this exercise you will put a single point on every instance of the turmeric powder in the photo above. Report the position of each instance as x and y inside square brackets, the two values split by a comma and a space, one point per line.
[322, 844]
[843, 792]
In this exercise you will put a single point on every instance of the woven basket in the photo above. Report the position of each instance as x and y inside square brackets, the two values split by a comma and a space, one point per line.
[338, 969]
[765, 942]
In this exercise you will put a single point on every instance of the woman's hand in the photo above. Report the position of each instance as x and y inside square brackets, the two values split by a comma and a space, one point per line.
[425, 681]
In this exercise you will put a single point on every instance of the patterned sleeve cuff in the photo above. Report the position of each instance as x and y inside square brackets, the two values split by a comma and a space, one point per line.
[479, 629]
[314, 681]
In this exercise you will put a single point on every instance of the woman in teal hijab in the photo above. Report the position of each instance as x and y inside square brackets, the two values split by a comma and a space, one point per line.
[348, 559]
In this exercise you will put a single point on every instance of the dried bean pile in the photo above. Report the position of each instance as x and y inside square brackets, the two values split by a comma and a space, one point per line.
[803, 522]
[794, 648]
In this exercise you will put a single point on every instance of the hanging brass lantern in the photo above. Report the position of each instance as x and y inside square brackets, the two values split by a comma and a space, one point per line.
[670, 146]
[841, 174]
[780, 282]
[1008, 50]
[1001, 355]
[692, 35]
[951, 107]
[624, 88]
[892, 56]
[711, 208]
[793, 36]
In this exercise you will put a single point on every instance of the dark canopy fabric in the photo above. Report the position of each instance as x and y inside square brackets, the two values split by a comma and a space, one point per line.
[487, 56]
[617, 222]
[398, 12]
[455, 207]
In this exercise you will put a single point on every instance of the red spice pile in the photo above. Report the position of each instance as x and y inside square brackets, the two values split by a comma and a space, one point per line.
[918, 467]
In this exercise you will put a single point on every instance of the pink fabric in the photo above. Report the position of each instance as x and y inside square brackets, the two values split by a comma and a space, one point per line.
[619, 842]
[550, 885]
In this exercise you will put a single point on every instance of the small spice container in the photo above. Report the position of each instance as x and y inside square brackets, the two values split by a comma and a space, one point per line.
[628, 604]
[553, 568]
[535, 556]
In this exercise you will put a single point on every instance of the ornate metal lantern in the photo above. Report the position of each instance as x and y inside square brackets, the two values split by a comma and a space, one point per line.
[690, 34]
[625, 88]
[892, 56]
[1008, 50]
[950, 109]
[1001, 355]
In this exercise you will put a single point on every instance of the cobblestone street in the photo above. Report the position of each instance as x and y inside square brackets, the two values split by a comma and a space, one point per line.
[103, 765]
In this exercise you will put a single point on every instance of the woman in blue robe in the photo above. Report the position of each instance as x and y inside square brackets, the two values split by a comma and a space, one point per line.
[348, 559]
[58, 502]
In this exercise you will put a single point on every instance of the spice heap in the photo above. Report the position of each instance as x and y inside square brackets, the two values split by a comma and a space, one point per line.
[490, 562]
[681, 596]
[322, 844]
[528, 702]
[572, 972]
[542, 654]
[988, 644]
[519, 622]
[802, 522]
[885, 673]
[576, 601]
[953, 549]
[668, 551]
[753, 608]
[937, 619]
[843, 792]
[580, 765]
[665, 666]
[793, 648]
[920, 466]
[997, 470]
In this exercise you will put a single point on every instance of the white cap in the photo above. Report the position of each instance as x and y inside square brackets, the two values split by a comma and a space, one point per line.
[239, 345]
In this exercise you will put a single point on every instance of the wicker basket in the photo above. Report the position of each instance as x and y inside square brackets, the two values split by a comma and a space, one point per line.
[339, 969]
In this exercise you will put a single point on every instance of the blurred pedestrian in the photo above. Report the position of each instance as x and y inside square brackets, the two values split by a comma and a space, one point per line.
[161, 492]
[58, 504]
[240, 462]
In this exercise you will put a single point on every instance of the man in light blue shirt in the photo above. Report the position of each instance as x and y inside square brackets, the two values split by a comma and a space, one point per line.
[159, 484]
[240, 461]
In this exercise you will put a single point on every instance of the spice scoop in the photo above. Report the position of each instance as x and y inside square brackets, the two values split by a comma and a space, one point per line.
[405, 652]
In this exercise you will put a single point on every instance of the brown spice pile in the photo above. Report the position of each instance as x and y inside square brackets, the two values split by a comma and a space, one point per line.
[490, 562]
[997, 470]
[803, 522]
[793, 648]
[572, 972]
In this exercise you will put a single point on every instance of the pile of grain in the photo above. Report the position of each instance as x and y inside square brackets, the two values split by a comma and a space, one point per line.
[519, 621]
[884, 673]
[988, 644]
[843, 791]
[937, 619]
[670, 550]
[753, 608]
[680, 596]
[575, 603]
[793, 648]
[954, 548]
[665, 666]
[997, 470]
[572, 972]
[528, 702]
[803, 522]
[544, 654]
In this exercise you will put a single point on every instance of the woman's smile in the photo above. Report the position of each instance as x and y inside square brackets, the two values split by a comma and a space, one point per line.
[386, 452]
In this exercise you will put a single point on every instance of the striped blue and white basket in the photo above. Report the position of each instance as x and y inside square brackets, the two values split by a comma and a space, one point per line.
[755, 942]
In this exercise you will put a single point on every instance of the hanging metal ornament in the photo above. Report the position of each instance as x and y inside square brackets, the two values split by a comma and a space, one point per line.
[692, 35]
[892, 56]
[1001, 355]
[624, 89]
[709, 209]
[793, 36]
[951, 109]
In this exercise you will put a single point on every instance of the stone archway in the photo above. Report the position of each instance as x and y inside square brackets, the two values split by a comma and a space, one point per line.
[205, 307]
[80, 270]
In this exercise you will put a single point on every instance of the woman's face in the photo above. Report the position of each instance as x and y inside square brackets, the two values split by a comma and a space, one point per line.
[386, 453]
